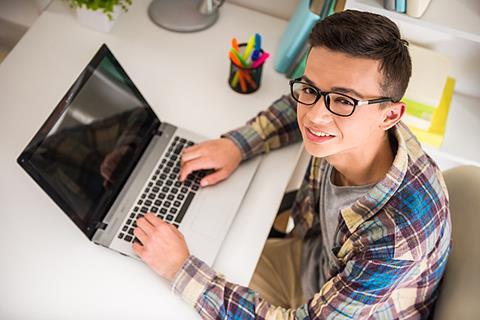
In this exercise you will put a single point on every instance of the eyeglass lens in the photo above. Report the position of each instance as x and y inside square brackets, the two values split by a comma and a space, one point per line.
[335, 102]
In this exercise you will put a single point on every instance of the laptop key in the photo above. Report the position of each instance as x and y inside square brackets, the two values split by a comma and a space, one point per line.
[148, 203]
[163, 211]
[180, 196]
[151, 196]
[167, 204]
[125, 228]
[120, 236]
[128, 238]
[178, 149]
[174, 190]
[135, 209]
[170, 197]
[144, 210]
[169, 217]
[165, 189]
[156, 189]
[184, 208]
[154, 209]
[169, 183]
[161, 195]
[158, 203]
[177, 203]
[173, 210]
[129, 221]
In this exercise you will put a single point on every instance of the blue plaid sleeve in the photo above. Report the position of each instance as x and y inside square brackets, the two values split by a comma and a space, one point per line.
[355, 293]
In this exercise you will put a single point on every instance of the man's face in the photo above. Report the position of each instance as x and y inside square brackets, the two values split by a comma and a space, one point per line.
[357, 77]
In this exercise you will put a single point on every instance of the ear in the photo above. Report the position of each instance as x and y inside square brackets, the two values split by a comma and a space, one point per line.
[391, 115]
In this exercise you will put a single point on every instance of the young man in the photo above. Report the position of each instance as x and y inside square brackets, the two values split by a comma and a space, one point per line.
[372, 225]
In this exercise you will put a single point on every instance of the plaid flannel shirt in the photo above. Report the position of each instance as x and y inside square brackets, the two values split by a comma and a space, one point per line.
[390, 250]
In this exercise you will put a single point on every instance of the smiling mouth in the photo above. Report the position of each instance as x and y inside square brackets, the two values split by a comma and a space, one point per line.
[319, 133]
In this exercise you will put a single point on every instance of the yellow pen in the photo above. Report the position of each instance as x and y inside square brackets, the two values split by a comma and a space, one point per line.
[249, 48]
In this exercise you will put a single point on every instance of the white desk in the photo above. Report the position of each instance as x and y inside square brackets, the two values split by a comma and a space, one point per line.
[48, 269]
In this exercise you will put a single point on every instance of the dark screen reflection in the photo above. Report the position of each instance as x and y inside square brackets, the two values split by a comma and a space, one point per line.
[85, 155]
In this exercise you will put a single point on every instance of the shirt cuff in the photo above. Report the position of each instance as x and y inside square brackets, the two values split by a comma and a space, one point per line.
[247, 140]
[192, 280]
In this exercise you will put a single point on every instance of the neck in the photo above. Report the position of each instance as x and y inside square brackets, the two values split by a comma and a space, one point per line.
[365, 165]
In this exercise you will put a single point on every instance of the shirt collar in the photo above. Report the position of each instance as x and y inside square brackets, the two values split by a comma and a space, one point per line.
[376, 198]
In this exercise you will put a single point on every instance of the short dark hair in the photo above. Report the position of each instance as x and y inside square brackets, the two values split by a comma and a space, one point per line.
[368, 35]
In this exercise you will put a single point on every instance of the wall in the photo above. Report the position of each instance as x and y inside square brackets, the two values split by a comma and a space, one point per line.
[278, 8]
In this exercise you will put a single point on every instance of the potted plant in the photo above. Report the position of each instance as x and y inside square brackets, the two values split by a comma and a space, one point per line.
[99, 15]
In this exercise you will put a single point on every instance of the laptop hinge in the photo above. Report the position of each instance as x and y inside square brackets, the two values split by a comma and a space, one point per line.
[101, 225]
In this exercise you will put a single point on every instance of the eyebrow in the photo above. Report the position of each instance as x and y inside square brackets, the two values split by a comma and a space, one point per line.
[336, 89]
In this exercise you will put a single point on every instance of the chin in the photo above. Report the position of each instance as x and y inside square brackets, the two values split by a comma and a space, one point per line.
[318, 150]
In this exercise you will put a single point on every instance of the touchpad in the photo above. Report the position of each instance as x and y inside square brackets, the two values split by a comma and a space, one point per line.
[211, 214]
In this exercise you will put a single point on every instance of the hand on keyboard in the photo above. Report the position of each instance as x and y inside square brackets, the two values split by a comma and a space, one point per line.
[161, 246]
[222, 155]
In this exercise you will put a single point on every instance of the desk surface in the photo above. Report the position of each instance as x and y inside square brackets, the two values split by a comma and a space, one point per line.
[48, 268]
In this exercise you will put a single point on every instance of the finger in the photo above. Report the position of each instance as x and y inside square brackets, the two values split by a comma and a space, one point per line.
[146, 226]
[141, 235]
[137, 248]
[154, 220]
[189, 154]
[214, 178]
[194, 165]
[192, 148]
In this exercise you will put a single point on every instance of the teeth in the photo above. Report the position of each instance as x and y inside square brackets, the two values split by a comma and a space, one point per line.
[319, 133]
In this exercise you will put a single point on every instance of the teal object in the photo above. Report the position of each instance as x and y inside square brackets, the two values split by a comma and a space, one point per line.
[401, 6]
[300, 70]
[295, 35]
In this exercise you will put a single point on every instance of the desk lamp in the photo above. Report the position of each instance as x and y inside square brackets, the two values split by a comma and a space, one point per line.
[184, 15]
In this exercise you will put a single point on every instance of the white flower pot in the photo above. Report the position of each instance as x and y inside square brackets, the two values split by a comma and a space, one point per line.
[97, 20]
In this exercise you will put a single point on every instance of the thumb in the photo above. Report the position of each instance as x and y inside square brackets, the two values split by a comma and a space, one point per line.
[214, 178]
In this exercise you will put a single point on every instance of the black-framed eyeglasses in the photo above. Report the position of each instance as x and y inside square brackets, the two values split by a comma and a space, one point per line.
[337, 103]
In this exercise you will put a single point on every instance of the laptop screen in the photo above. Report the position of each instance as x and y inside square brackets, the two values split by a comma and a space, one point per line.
[88, 147]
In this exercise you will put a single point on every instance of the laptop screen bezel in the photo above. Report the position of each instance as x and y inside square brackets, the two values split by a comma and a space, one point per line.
[95, 218]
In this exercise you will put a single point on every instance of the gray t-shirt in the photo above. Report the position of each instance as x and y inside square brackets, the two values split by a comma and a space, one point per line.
[333, 198]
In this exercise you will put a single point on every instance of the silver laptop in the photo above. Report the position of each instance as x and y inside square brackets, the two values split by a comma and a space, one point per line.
[106, 159]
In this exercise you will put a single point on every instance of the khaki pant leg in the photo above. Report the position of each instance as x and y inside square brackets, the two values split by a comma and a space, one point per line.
[277, 275]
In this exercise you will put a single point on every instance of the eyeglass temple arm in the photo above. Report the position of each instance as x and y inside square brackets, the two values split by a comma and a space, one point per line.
[373, 101]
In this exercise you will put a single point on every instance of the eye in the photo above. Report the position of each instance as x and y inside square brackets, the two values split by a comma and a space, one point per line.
[309, 90]
[344, 101]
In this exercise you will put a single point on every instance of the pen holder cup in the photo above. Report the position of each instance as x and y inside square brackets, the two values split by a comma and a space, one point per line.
[245, 79]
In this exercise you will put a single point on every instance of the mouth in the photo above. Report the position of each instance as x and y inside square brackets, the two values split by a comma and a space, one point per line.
[317, 135]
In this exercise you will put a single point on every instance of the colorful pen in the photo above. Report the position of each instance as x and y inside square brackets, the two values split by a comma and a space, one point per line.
[261, 60]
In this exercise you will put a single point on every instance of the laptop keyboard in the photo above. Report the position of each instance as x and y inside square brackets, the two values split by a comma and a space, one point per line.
[164, 195]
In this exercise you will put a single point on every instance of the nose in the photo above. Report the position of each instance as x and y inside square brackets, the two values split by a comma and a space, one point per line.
[318, 113]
